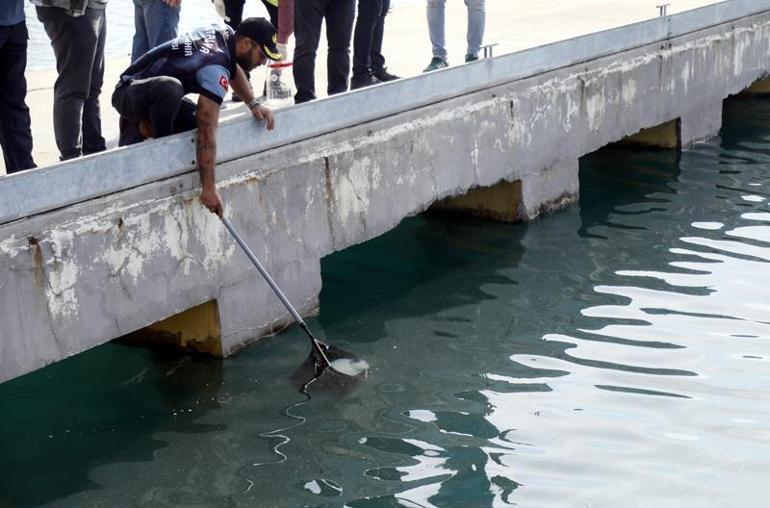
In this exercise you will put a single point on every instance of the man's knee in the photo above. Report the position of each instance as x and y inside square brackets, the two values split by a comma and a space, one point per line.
[166, 88]
[475, 5]
[436, 3]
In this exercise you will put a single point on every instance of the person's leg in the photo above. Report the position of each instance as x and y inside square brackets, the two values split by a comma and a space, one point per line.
[368, 16]
[129, 127]
[272, 12]
[93, 141]
[308, 17]
[15, 133]
[476, 22]
[378, 61]
[340, 15]
[234, 11]
[153, 100]
[185, 118]
[74, 43]
[436, 26]
[285, 20]
[162, 22]
[141, 42]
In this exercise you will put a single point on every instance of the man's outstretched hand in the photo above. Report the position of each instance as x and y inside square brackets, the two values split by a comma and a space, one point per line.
[263, 114]
[211, 199]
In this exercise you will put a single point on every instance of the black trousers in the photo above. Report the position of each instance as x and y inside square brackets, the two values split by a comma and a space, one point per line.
[78, 43]
[234, 11]
[158, 101]
[15, 133]
[367, 40]
[308, 17]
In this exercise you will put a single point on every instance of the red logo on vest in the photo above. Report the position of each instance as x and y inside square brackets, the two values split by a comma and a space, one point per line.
[223, 82]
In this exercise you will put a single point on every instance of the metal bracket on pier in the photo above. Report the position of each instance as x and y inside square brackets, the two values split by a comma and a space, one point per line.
[663, 9]
[488, 49]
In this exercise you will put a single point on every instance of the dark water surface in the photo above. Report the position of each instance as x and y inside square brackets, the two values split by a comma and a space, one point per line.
[614, 354]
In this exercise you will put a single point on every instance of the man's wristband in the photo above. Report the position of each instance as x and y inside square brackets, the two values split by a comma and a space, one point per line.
[253, 103]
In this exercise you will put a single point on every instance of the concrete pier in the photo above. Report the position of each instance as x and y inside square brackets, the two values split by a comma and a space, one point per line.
[94, 249]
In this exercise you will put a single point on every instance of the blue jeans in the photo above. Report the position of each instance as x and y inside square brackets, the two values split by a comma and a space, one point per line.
[476, 21]
[155, 23]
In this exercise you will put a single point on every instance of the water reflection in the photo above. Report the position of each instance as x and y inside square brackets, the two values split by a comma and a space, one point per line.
[56, 431]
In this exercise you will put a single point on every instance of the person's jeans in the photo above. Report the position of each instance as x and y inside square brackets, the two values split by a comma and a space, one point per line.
[78, 44]
[367, 40]
[15, 133]
[155, 22]
[308, 17]
[476, 21]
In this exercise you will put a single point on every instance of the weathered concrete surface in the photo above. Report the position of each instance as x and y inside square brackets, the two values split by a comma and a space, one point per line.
[79, 276]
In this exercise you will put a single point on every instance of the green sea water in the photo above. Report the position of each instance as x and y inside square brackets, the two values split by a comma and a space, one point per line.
[616, 353]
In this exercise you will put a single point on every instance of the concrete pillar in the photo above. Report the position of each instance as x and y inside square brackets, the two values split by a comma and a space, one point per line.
[550, 189]
[500, 202]
[665, 136]
[248, 309]
[701, 123]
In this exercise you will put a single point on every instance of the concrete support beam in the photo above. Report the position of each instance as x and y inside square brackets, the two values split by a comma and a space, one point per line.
[701, 123]
[667, 136]
[551, 189]
[249, 310]
[501, 202]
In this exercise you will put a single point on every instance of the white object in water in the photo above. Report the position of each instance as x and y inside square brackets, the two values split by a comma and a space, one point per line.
[349, 367]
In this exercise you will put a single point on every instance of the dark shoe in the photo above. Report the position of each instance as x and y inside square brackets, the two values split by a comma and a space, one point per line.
[384, 76]
[368, 80]
[471, 58]
[436, 64]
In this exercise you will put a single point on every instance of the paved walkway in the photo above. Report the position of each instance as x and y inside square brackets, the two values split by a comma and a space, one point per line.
[513, 24]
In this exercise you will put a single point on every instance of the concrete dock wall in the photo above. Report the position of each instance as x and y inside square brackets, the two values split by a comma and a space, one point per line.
[121, 242]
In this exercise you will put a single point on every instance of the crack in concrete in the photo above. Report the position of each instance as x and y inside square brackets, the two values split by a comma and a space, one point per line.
[329, 195]
[54, 332]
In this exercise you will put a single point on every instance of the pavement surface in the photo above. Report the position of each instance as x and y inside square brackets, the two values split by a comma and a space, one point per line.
[512, 24]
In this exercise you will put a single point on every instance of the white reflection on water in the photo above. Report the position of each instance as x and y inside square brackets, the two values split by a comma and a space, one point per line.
[665, 400]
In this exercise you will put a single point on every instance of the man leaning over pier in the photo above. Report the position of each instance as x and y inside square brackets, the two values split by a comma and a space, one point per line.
[15, 133]
[77, 29]
[206, 61]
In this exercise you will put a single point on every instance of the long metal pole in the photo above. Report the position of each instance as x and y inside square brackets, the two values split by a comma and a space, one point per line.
[316, 343]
